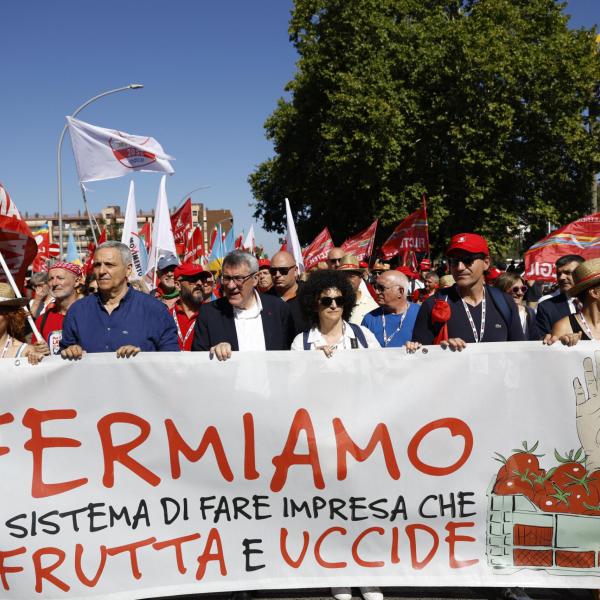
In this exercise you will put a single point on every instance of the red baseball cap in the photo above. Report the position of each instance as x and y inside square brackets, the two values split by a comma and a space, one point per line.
[425, 265]
[264, 262]
[187, 270]
[493, 274]
[468, 242]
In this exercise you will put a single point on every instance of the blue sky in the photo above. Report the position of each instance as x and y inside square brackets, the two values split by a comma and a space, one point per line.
[212, 72]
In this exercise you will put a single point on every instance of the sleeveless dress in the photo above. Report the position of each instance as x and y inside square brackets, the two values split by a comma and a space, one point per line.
[576, 327]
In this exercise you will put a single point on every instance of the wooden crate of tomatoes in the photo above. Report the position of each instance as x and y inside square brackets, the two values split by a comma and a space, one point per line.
[544, 519]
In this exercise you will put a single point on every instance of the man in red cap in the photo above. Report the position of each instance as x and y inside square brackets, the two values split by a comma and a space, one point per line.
[469, 311]
[188, 281]
[265, 281]
[63, 278]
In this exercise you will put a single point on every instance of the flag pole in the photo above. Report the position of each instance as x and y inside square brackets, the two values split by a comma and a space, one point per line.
[15, 289]
[87, 210]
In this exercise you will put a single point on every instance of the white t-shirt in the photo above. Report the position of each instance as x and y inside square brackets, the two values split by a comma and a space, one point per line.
[316, 340]
[249, 326]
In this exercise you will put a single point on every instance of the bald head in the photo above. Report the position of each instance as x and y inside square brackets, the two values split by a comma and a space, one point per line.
[394, 278]
[283, 259]
[334, 258]
[391, 290]
[284, 272]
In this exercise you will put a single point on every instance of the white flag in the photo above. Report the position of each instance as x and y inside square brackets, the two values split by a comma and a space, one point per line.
[107, 153]
[250, 243]
[131, 236]
[163, 242]
[291, 238]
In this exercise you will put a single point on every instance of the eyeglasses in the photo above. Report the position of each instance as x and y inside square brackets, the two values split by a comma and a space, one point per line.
[283, 270]
[466, 260]
[518, 288]
[381, 288]
[327, 301]
[237, 279]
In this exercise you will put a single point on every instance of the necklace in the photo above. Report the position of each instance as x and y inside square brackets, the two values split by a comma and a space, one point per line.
[6, 346]
[479, 337]
[388, 338]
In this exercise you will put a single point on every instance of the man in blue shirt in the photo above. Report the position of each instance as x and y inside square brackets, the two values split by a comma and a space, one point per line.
[118, 318]
[393, 321]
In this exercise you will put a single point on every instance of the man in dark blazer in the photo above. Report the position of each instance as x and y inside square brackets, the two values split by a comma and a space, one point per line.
[553, 309]
[242, 319]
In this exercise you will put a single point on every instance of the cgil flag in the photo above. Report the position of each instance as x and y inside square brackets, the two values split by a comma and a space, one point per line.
[107, 153]
[17, 244]
[361, 245]
[194, 246]
[41, 235]
[412, 234]
[163, 242]
[131, 237]
[292, 243]
[579, 237]
[318, 249]
[181, 223]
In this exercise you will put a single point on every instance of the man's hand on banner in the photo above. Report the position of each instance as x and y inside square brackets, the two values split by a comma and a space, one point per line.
[455, 344]
[588, 412]
[222, 351]
[74, 352]
[412, 347]
[567, 339]
[128, 351]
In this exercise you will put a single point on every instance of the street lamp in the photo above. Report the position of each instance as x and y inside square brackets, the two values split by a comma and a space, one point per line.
[186, 196]
[131, 86]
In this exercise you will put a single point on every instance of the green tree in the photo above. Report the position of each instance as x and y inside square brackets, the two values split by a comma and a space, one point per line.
[481, 104]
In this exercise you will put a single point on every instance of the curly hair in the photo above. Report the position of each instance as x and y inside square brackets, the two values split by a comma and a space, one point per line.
[316, 283]
[15, 323]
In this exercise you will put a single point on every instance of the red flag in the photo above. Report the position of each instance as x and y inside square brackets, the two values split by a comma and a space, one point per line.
[579, 237]
[181, 223]
[42, 239]
[412, 234]
[146, 234]
[318, 249]
[16, 241]
[237, 245]
[88, 265]
[194, 247]
[361, 245]
[102, 237]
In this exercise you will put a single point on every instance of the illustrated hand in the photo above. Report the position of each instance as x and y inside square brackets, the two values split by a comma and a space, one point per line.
[222, 351]
[127, 351]
[74, 352]
[588, 412]
[455, 344]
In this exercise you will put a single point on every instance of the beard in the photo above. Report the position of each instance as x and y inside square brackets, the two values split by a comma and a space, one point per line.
[191, 298]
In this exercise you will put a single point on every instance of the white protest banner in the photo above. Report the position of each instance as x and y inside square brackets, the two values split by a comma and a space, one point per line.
[173, 474]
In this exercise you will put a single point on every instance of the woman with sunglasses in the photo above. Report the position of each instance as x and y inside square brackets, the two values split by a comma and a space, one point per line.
[512, 284]
[327, 299]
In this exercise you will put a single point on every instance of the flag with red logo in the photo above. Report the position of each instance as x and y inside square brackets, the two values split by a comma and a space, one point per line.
[17, 243]
[181, 223]
[361, 245]
[88, 265]
[146, 235]
[318, 249]
[249, 243]
[579, 237]
[412, 234]
[239, 240]
[107, 153]
[194, 246]
[41, 235]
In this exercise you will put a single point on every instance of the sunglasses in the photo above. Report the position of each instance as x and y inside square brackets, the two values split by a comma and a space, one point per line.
[327, 301]
[283, 270]
[381, 288]
[467, 260]
[518, 288]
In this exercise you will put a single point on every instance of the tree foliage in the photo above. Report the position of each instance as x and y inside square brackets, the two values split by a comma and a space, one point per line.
[482, 104]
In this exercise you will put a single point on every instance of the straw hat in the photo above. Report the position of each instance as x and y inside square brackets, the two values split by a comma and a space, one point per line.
[8, 298]
[350, 264]
[585, 276]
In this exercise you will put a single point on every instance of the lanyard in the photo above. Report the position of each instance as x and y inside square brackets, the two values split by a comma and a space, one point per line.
[388, 338]
[6, 346]
[478, 338]
[189, 332]
[586, 327]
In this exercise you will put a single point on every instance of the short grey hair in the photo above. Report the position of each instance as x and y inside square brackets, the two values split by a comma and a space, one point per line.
[237, 258]
[400, 278]
[39, 278]
[122, 248]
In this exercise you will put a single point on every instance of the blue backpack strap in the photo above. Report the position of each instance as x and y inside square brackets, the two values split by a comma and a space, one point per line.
[501, 303]
[359, 333]
[305, 340]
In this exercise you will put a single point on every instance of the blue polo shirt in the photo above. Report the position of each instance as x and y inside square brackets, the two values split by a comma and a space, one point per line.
[374, 322]
[139, 320]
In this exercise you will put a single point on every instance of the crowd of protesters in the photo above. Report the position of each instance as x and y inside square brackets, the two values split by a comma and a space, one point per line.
[261, 305]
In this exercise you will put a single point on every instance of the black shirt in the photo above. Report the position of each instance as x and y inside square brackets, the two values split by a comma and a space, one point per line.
[496, 327]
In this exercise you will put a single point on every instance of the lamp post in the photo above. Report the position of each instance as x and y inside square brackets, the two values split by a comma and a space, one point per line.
[131, 86]
[186, 196]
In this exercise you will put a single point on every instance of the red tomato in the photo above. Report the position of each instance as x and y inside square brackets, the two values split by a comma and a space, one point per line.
[566, 474]
[521, 462]
[513, 485]
[581, 499]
